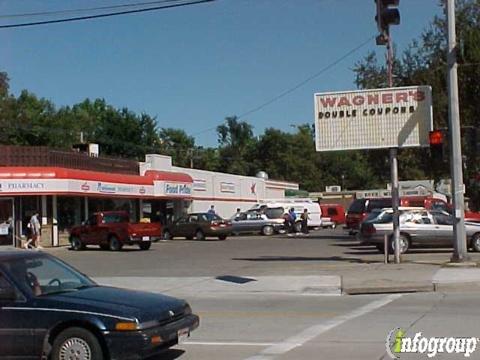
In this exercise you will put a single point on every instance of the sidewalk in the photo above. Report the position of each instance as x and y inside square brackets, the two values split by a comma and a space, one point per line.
[356, 280]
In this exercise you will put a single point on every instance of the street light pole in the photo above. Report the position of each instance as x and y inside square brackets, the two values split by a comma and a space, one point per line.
[460, 244]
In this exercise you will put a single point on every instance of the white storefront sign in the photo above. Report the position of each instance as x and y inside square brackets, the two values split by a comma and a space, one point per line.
[227, 187]
[165, 188]
[372, 119]
[22, 186]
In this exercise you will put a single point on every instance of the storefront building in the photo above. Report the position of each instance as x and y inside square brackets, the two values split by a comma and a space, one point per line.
[66, 187]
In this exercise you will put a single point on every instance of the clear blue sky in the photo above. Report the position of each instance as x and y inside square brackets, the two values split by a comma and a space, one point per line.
[191, 67]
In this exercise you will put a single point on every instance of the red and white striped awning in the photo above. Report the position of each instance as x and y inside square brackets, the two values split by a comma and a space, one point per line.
[63, 181]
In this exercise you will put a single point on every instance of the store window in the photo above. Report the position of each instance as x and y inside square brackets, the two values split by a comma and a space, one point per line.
[69, 214]
[104, 204]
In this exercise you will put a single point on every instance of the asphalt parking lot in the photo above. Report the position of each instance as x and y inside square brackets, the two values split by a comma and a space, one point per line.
[242, 256]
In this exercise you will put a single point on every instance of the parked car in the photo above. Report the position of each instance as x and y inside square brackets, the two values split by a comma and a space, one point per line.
[360, 208]
[112, 230]
[332, 215]
[48, 310]
[298, 204]
[255, 222]
[417, 227]
[199, 226]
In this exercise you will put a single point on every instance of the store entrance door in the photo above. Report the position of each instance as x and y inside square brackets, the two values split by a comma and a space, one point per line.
[7, 222]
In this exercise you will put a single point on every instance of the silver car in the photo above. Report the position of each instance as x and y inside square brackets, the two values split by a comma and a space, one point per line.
[417, 227]
[255, 222]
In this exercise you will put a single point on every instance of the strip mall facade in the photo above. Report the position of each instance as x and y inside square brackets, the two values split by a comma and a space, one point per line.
[66, 187]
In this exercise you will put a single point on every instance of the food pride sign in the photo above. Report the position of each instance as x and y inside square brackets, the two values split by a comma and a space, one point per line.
[373, 119]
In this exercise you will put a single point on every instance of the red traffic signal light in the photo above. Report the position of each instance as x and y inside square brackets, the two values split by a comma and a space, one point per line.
[436, 137]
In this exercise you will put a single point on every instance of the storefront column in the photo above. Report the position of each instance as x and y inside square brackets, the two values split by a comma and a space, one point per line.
[44, 210]
[54, 220]
[85, 216]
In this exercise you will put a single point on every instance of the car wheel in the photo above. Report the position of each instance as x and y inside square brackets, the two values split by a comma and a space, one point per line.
[222, 237]
[76, 243]
[76, 343]
[267, 230]
[199, 235]
[475, 243]
[145, 245]
[104, 246]
[114, 244]
[167, 235]
[189, 237]
[404, 244]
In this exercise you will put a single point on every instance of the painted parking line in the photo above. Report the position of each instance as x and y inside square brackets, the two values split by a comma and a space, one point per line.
[231, 343]
[316, 330]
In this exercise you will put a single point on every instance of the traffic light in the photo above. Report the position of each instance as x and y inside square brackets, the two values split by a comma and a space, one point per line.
[387, 14]
[437, 145]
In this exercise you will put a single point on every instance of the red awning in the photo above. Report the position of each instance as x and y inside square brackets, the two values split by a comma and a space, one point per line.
[168, 176]
[37, 172]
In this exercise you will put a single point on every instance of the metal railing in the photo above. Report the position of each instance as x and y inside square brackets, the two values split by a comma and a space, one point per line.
[44, 156]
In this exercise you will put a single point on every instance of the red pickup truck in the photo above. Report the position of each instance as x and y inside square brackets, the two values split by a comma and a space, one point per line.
[112, 230]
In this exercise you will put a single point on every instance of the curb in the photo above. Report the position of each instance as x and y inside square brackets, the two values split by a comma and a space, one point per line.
[389, 289]
[457, 287]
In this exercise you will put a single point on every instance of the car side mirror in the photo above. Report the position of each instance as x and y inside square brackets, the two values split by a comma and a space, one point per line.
[7, 294]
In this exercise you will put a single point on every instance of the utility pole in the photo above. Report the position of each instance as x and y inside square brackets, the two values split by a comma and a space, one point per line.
[460, 244]
[387, 16]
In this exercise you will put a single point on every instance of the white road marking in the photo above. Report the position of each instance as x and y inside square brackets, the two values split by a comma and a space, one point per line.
[316, 330]
[232, 343]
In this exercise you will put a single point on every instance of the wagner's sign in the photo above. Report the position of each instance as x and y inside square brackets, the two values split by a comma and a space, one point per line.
[372, 119]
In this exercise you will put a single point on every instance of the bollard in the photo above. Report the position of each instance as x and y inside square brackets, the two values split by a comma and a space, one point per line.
[385, 249]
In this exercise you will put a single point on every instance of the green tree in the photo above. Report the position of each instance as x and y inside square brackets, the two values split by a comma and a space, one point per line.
[236, 146]
[177, 144]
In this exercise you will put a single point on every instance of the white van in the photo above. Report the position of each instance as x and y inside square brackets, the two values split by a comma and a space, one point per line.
[313, 208]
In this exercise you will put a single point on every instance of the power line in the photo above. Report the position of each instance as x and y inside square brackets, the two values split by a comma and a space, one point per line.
[300, 84]
[74, 11]
[89, 17]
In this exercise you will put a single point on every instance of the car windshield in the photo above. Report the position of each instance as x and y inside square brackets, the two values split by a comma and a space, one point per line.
[384, 218]
[274, 213]
[373, 215]
[378, 204]
[44, 275]
[115, 218]
[357, 206]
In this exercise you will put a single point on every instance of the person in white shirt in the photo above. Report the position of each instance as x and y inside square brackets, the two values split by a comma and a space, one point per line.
[35, 230]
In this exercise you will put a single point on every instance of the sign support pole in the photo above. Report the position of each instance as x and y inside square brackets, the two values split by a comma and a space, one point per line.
[460, 246]
[394, 165]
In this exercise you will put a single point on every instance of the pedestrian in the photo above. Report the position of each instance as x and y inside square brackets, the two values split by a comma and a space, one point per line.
[211, 210]
[238, 213]
[211, 213]
[304, 217]
[35, 230]
[293, 219]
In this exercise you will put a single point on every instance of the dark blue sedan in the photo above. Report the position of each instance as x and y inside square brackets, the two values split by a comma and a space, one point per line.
[50, 310]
